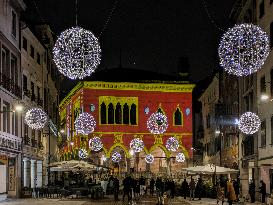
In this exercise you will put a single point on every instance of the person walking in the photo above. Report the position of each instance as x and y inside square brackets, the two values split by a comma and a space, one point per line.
[263, 190]
[192, 189]
[142, 185]
[116, 188]
[251, 191]
[230, 192]
[159, 190]
[220, 194]
[185, 188]
[236, 186]
[199, 189]
[152, 186]
[127, 182]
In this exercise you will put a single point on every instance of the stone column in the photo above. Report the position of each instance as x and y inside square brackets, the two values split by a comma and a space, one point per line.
[26, 172]
[168, 161]
[33, 173]
[128, 164]
[39, 173]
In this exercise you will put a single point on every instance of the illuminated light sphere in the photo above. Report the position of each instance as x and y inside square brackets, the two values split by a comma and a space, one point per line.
[116, 157]
[157, 123]
[77, 53]
[180, 157]
[85, 123]
[249, 123]
[149, 158]
[172, 144]
[36, 118]
[243, 49]
[137, 145]
[83, 153]
[95, 144]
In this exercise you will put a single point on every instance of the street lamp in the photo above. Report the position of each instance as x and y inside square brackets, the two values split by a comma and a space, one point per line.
[264, 97]
[17, 108]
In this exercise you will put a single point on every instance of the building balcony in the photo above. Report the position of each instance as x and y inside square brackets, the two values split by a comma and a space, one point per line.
[10, 86]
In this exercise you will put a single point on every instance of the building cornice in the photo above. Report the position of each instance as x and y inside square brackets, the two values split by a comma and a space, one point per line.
[155, 87]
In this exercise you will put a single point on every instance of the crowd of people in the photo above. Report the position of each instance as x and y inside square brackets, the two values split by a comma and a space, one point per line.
[133, 188]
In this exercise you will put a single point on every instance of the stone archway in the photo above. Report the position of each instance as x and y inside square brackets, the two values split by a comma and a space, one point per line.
[160, 161]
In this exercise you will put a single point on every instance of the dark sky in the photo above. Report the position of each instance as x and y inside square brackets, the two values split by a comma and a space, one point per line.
[151, 34]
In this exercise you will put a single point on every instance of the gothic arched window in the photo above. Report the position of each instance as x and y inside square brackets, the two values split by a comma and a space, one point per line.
[103, 113]
[177, 117]
[118, 114]
[110, 114]
[125, 114]
[133, 114]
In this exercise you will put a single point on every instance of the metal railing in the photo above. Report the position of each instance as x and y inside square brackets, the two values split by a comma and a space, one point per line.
[10, 85]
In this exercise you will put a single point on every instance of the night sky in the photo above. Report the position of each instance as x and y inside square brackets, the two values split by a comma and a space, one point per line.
[151, 34]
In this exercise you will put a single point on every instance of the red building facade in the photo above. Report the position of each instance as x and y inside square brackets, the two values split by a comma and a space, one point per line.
[121, 111]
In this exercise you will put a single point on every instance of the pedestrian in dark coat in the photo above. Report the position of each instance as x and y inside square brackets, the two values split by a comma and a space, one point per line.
[252, 191]
[127, 183]
[159, 190]
[236, 189]
[185, 188]
[116, 188]
[199, 189]
[152, 186]
[263, 190]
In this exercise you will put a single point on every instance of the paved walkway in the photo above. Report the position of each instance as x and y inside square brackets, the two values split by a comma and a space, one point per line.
[109, 201]
[106, 201]
[208, 201]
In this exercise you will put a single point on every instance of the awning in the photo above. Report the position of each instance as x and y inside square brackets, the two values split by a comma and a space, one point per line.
[210, 169]
[74, 165]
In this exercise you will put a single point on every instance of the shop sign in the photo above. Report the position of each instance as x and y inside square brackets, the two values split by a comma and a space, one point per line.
[10, 142]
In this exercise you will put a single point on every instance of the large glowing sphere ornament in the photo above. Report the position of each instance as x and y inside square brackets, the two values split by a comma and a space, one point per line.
[243, 49]
[137, 145]
[77, 53]
[172, 144]
[36, 118]
[149, 158]
[180, 157]
[85, 123]
[116, 157]
[249, 123]
[95, 144]
[83, 153]
[157, 123]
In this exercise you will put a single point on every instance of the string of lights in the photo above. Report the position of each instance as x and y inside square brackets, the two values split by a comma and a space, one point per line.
[95, 144]
[157, 123]
[116, 157]
[85, 123]
[149, 158]
[77, 53]
[137, 145]
[36, 118]
[249, 123]
[172, 144]
[243, 49]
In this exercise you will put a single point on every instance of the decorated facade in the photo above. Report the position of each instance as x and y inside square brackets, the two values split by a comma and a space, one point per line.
[121, 111]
